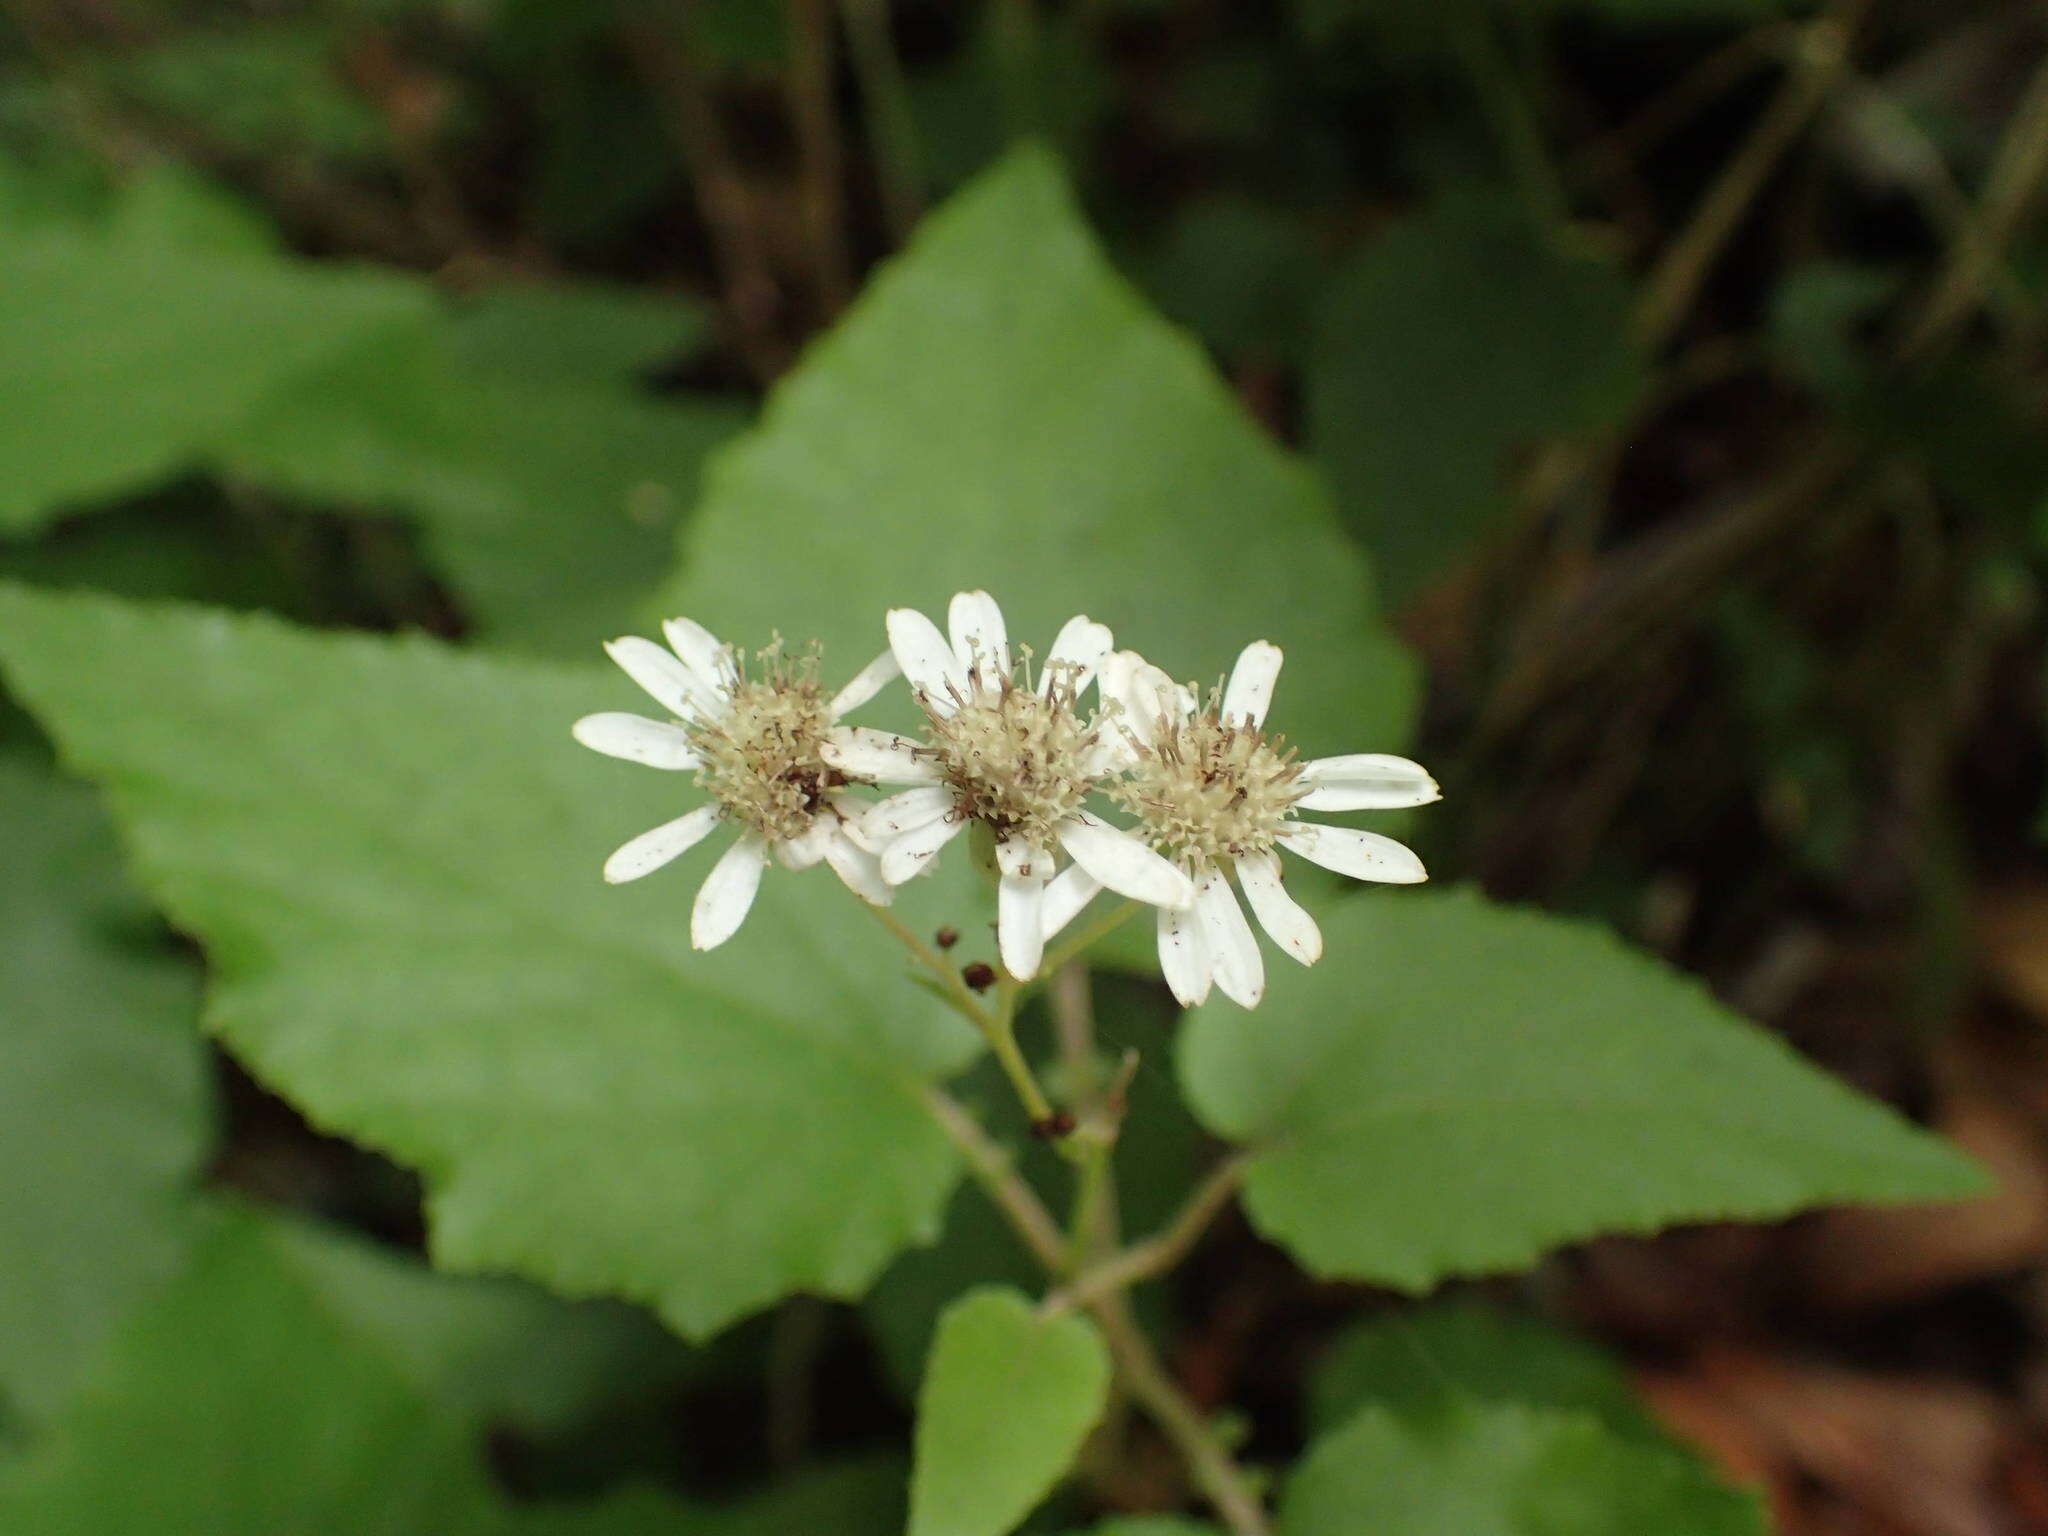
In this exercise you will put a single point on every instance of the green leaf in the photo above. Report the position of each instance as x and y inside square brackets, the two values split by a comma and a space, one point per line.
[548, 497]
[1150, 1525]
[1420, 1362]
[998, 410]
[1241, 274]
[493, 1351]
[1503, 1471]
[1159, 1154]
[391, 852]
[1008, 1398]
[235, 1403]
[105, 1102]
[242, 1399]
[120, 370]
[1447, 344]
[1459, 1087]
[581, 332]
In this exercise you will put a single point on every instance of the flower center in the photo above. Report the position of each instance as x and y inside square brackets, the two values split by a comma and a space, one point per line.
[1015, 757]
[762, 758]
[1205, 792]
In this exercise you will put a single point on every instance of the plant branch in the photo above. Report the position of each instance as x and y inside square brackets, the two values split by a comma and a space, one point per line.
[662, 56]
[885, 103]
[1157, 1254]
[821, 158]
[2018, 172]
[1221, 1480]
[1821, 54]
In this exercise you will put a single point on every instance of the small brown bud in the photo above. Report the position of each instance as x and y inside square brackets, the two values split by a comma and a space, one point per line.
[1055, 1125]
[946, 937]
[980, 975]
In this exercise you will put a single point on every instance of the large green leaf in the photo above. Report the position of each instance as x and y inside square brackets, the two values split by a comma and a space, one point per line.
[1458, 1087]
[1425, 1359]
[1503, 1471]
[491, 1350]
[104, 1100]
[999, 410]
[390, 850]
[1007, 1400]
[124, 358]
[1449, 342]
[242, 1398]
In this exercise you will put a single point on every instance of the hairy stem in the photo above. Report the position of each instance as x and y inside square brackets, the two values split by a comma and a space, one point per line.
[1138, 1365]
[1157, 1254]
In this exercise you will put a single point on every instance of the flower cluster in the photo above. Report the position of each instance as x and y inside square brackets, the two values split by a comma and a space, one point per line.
[1016, 751]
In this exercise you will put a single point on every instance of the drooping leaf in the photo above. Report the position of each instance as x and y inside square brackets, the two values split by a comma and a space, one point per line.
[575, 332]
[390, 850]
[1008, 1398]
[1447, 344]
[1503, 1470]
[494, 1351]
[999, 411]
[548, 496]
[241, 1398]
[1459, 1087]
[105, 1105]
[119, 371]
[1419, 1362]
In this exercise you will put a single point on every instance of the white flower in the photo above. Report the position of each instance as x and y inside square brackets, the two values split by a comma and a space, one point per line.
[1013, 754]
[758, 745]
[1213, 791]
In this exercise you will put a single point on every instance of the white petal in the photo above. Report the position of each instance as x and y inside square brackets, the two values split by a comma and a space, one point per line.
[1183, 956]
[1283, 918]
[650, 850]
[1366, 781]
[980, 642]
[1145, 696]
[857, 868]
[926, 659]
[701, 652]
[636, 739]
[728, 893]
[1068, 893]
[1250, 689]
[1019, 935]
[852, 810]
[1349, 851]
[867, 682]
[1020, 859]
[886, 820]
[1123, 863]
[862, 752]
[1240, 969]
[910, 853]
[666, 680]
[1078, 652]
[803, 852]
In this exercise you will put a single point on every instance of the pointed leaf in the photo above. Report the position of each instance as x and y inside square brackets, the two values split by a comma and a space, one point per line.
[1459, 1087]
[999, 410]
[1008, 1398]
[1504, 1471]
[391, 851]
[105, 1108]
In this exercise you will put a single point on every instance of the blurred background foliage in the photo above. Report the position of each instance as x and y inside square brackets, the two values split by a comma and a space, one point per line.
[1677, 365]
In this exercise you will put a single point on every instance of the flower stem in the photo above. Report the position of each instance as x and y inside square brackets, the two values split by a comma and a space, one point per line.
[1088, 937]
[1158, 1254]
[998, 1028]
[1138, 1365]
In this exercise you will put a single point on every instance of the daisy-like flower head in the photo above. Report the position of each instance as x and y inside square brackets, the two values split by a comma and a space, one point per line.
[1211, 790]
[756, 732]
[1010, 751]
